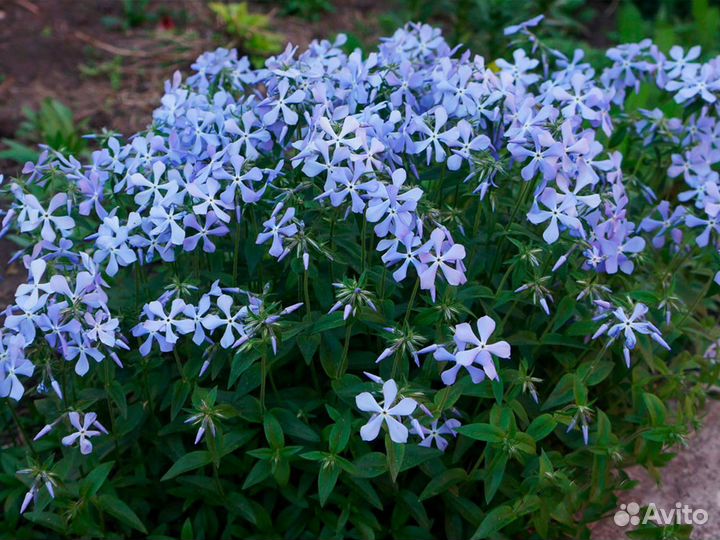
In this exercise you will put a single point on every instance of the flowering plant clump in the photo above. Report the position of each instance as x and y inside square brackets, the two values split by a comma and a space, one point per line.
[408, 294]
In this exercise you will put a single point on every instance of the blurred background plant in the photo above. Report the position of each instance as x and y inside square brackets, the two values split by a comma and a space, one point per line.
[311, 10]
[138, 13]
[670, 22]
[250, 31]
[52, 124]
[134, 14]
[479, 24]
[133, 43]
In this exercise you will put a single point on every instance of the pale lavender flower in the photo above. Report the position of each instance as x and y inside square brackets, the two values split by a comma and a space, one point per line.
[440, 253]
[434, 434]
[474, 349]
[387, 413]
[84, 432]
[278, 230]
[558, 210]
[211, 227]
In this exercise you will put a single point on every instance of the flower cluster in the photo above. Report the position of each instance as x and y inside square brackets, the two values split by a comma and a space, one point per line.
[367, 177]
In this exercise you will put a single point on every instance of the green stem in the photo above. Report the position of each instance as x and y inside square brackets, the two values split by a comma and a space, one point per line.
[306, 291]
[212, 446]
[346, 349]
[697, 300]
[675, 266]
[396, 364]
[178, 362]
[476, 226]
[146, 385]
[236, 254]
[504, 279]
[137, 288]
[362, 245]
[111, 411]
[263, 377]
[477, 464]
[441, 408]
[549, 326]
[412, 301]
[382, 283]
[332, 247]
[23, 434]
[439, 192]
[457, 191]
[520, 204]
[507, 315]
[255, 233]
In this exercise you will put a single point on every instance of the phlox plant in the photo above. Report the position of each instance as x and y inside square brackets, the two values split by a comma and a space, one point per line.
[408, 294]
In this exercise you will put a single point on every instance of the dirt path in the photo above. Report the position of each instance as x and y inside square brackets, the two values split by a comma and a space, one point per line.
[692, 478]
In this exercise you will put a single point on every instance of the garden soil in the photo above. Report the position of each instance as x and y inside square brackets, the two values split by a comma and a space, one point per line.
[692, 478]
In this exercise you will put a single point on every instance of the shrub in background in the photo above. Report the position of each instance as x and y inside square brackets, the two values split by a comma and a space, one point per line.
[401, 295]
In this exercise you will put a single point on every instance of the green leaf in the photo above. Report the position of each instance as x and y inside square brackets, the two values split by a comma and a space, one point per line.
[241, 362]
[340, 434]
[603, 429]
[656, 408]
[92, 483]
[581, 328]
[308, 345]
[644, 296]
[541, 427]
[242, 505]
[416, 455]
[618, 136]
[315, 455]
[186, 533]
[121, 511]
[188, 462]
[494, 521]
[562, 340]
[417, 510]
[234, 440]
[482, 432]
[580, 392]
[630, 23]
[331, 353]
[494, 477]
[562, 393]
[369, 465]
[292, 426]
[595, 372]
[328, 322]
[180, 392]
[273, 431]
[260, 471]
[19, 153]
[564, 311]
[447, 397]
[327, 478]
[497, 389]
[47, 519]
[443, 482]
[395, 454]
[281, 471]
[524, 442]
[117, 394]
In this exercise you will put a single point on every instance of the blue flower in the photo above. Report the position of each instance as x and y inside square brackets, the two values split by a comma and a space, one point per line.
[84, 432]
[388, 413]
